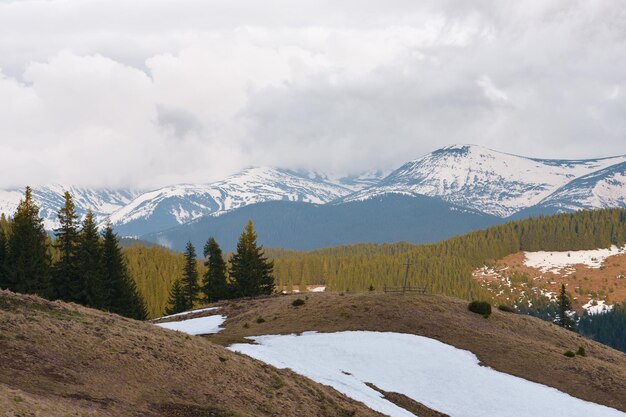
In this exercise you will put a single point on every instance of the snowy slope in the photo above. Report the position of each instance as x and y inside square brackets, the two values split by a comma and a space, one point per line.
[485, 180]
[604, 188]
[442, 377]
[50, 198]
[175, 205]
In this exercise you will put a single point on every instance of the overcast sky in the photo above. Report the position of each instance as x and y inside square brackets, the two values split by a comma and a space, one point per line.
[147, 93]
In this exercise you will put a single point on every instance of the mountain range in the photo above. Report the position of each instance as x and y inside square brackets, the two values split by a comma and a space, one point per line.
[449, 191]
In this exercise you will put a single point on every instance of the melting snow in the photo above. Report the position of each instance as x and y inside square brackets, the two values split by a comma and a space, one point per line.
[556, 261]
[184, 313]
[200, 325]
[438, 375]
[598, 307]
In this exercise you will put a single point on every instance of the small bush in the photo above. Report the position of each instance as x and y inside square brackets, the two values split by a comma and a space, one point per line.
[297, 302]
[480, 307]
[506, 308]
[371, 288]
[246, 326]
[569, 354]
[581, 351]
[260, 320]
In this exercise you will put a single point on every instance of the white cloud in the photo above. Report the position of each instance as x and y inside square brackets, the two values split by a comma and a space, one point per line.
[148, 93]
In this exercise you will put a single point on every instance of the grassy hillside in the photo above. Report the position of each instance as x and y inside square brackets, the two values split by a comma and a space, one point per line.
[515, 344]
[445, 268]
[65, 360]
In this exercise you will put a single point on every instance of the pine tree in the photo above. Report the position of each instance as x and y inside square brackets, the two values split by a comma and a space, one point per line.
[250, 270]
[565, 305]
[214, 284]
[90, 264]
[189, 280]
[177, 302]
[66, 279]
[28, 259]
[121, 292]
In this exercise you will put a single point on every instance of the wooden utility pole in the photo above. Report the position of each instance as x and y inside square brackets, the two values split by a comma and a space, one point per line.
[406, 274]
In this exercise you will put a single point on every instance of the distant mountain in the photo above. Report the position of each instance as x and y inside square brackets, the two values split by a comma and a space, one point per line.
[469, 178]
[485, 180]
[102, 202]
[180, 204]
[297, 225]
[603, 188]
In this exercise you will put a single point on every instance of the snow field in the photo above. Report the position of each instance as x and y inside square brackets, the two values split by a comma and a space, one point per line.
[438, 375]
[556, 261]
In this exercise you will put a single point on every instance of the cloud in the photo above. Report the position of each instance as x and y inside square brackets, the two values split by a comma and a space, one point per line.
[150, 93]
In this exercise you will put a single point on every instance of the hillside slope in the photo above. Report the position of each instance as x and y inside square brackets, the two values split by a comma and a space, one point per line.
[65, 360]
[303, 226]
[519, 345]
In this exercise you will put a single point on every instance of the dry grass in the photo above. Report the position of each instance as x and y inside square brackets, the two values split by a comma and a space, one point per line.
[66, 360]
[607, 282]
[515, 344]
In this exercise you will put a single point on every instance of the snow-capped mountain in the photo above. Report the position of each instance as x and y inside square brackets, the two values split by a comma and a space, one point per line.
[468, 177]
[171, 206]
[101, 202]
[604, 188]
[485, 180]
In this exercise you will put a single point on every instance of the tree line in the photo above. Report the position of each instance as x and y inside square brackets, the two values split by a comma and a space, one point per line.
[249, 274]
[446, 267]
[81, 265]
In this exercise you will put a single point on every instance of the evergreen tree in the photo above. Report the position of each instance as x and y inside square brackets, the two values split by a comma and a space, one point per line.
[177, 302]
[189, 280]
[4, 281]
[565, 305]
[250, 270]
[66, 279]
[214, 284]
[90, 264]
[28, 259]
[120, 290]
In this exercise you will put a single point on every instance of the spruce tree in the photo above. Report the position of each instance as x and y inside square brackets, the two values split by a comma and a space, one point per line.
[120, 290]
[189, 280]
[4, 281]
[28, 259]
[90, 263]
[564, 320]
[66, 279]
[214, 284]
[177, 302]
[250, 270]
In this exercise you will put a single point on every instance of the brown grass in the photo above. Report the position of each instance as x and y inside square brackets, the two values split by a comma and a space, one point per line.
[609, 281]
[515, 344]
[65, 360]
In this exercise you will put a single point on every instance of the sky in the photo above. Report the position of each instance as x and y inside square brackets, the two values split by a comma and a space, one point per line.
[147, 93]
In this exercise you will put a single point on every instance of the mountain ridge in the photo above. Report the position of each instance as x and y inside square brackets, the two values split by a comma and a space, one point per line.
[472, 177]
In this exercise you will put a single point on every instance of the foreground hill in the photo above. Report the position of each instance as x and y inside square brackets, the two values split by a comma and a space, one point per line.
[65, 360]
[514, 344]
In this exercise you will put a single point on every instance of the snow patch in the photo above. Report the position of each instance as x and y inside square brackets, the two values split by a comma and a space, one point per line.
[197, 326]
[184, 313]
[597, 307]
[555, 262]
[438, 375]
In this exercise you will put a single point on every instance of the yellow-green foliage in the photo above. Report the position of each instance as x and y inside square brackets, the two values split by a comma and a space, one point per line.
[155, 269]
[444, 268]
